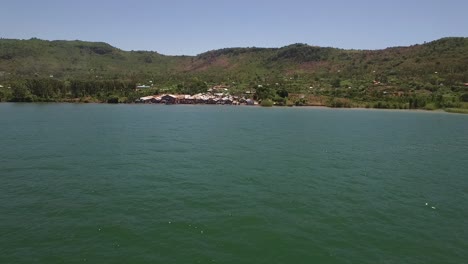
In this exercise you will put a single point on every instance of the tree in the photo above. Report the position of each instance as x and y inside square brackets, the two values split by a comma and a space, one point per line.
[21, 93]
[464, 97]
[113, 100]
[264, 92]
[335, 83]
[282, 92]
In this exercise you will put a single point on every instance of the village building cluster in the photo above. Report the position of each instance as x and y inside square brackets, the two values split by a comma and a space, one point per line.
[196, 99]
[216, 95]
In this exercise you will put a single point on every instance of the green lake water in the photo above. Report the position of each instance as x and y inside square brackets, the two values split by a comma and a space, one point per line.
[85, 183]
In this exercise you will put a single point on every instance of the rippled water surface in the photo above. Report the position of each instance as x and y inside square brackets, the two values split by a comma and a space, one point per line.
[219, 184]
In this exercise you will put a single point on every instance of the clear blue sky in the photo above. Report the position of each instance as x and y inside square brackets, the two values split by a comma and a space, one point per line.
[193, 26]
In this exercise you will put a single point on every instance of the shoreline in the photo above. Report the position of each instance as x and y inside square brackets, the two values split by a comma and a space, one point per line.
[259, 106]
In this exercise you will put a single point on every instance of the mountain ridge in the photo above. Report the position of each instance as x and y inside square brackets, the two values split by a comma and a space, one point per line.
[75, 59]
[60, 41]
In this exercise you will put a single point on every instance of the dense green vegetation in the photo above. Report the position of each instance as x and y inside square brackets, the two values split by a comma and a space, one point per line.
[428, 76]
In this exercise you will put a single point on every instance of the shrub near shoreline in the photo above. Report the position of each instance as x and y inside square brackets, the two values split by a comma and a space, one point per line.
[267, 103]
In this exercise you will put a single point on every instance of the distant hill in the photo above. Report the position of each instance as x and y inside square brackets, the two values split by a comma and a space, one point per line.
[297, 68]
[79, 59]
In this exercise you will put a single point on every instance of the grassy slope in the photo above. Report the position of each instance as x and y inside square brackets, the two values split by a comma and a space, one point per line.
[77, 59]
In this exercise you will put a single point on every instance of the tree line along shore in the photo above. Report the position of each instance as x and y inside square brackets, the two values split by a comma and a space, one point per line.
[112, 91]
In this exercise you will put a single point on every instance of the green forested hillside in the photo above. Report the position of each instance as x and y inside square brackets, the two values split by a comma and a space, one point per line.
[432, 74]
